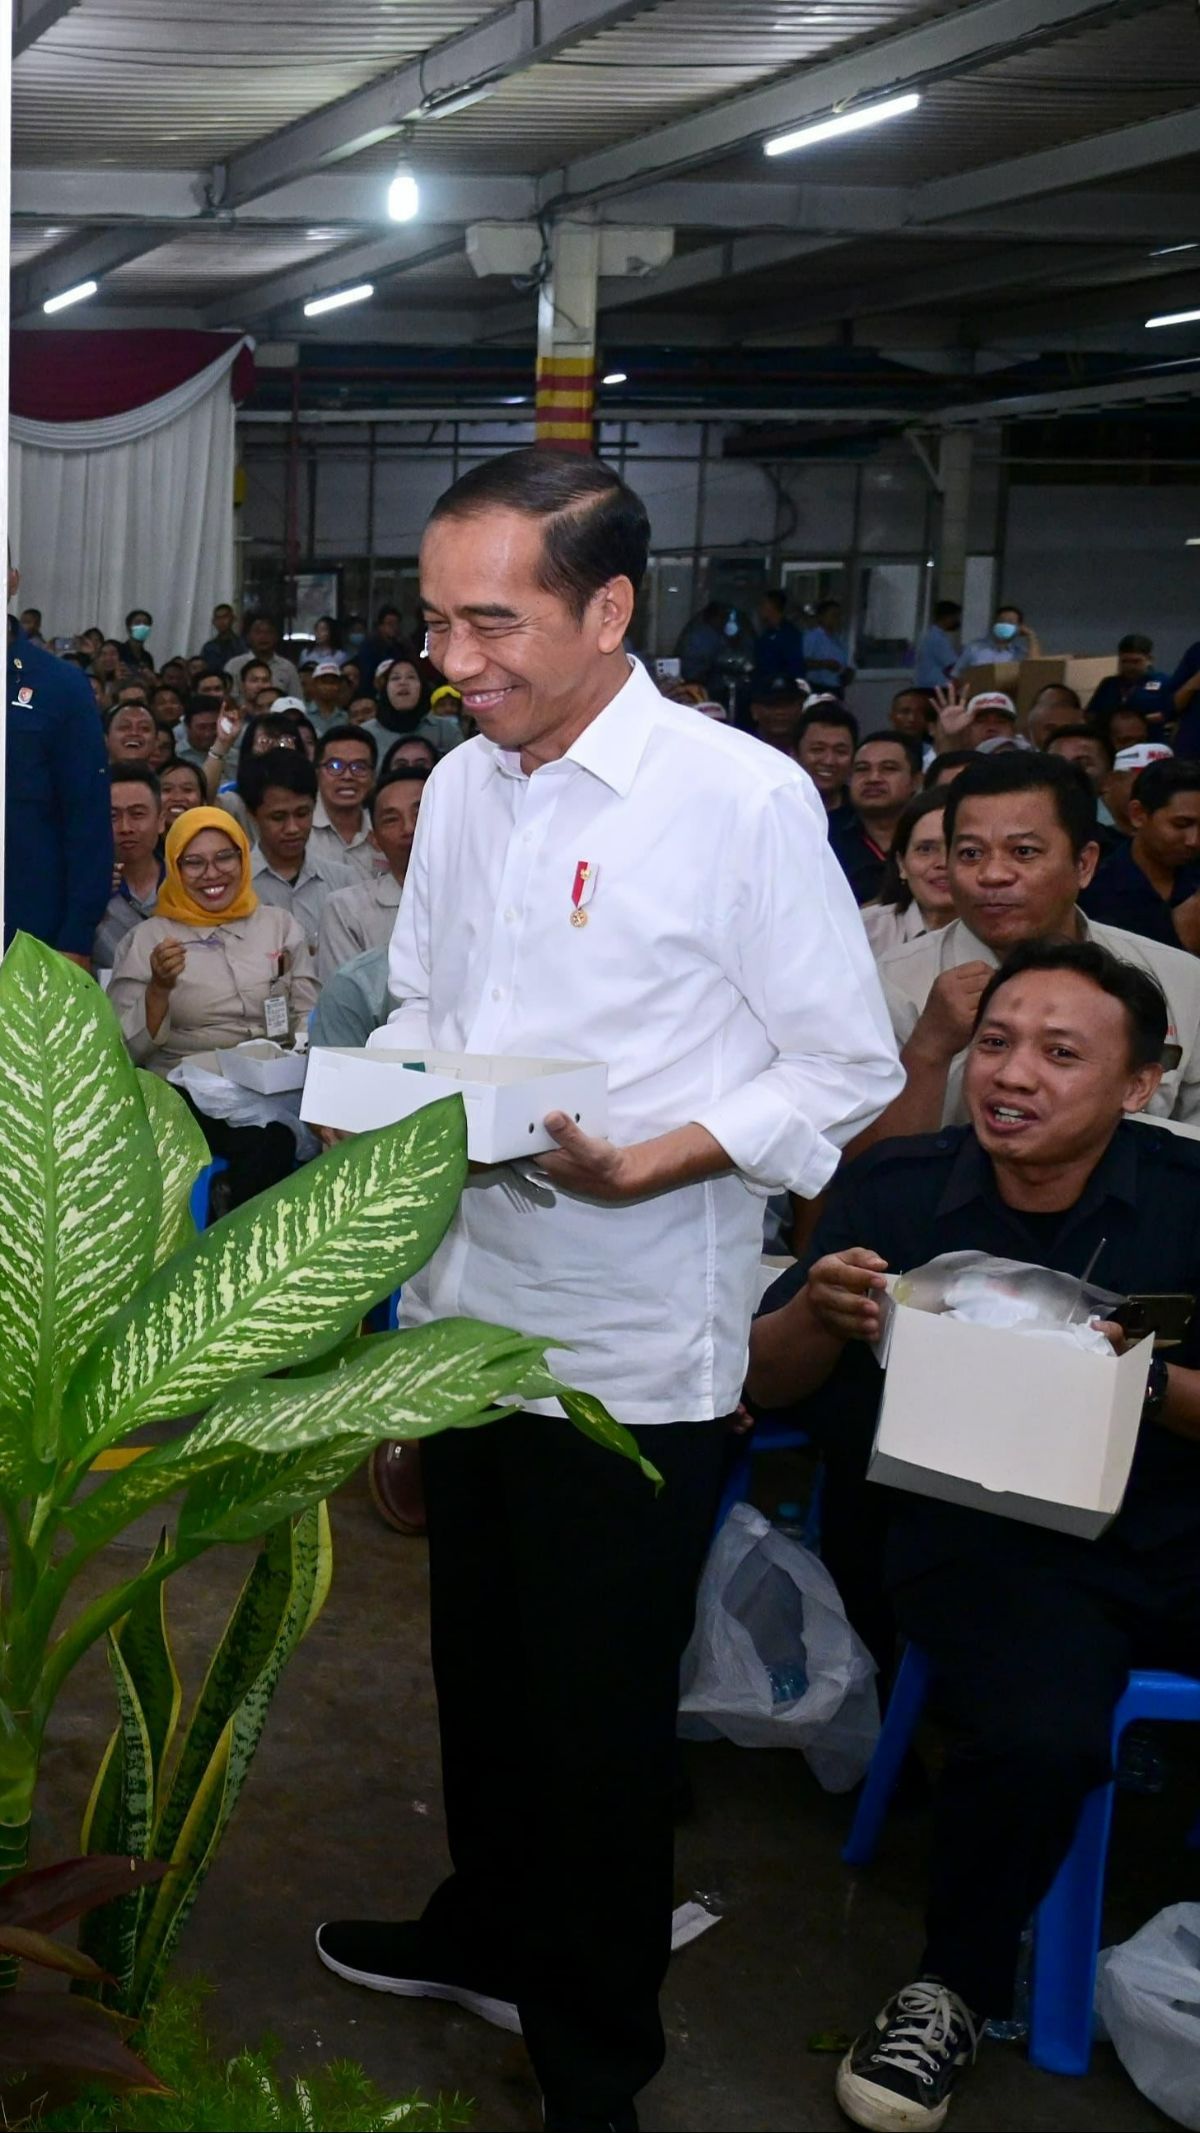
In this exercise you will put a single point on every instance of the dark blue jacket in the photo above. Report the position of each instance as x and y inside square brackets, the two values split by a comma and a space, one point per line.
[58, 819]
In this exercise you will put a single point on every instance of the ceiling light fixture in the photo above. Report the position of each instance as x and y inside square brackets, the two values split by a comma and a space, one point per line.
[357, 295]
[71, 296]
[1164, 251]
[614, 377]
[1174, 318]
[843, 122]
[404, 195]
[1192, 541]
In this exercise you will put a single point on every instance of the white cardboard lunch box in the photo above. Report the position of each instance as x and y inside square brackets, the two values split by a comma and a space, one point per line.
[507, 1100]
[264, 1066]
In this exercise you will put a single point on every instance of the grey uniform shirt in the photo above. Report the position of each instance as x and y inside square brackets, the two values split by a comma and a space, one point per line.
[283, 673]
[122, 913]
[308, 895]
[909, 973]
[327, 843]
[218, 999]
[356, 919]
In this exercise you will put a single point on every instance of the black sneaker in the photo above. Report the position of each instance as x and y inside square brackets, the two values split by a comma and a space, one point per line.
[395, 1958]
[901, 2072]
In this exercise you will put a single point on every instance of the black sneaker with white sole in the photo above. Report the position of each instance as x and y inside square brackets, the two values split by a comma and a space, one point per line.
[899, 2076]
[396, 1958]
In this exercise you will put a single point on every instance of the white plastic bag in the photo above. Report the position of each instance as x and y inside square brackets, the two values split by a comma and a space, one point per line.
[219, 1098]
[766, 1607]
[1148, 2001]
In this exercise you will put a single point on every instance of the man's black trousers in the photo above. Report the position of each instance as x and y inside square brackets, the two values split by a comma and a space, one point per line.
[562, 1596]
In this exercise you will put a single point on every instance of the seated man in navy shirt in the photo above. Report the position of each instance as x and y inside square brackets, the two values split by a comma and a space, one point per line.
[779, 649]
[1150, 884]
[888, 770]
[1137, 683]
[1031, 1633]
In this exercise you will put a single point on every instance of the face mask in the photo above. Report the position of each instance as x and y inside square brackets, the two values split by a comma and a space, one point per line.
[1004, 630]
[731, 627]
[140, 632]
[355, 639]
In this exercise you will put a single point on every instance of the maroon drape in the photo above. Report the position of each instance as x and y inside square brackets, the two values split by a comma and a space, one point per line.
[81, 377]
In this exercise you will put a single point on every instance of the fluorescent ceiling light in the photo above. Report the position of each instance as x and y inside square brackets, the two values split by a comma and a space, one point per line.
[453, 100]
[614, 377]
[1174, 318]
[1164, 251]
[1192, 541]
[843, 122]
[71, 296]
[356, 295]
[404, 195]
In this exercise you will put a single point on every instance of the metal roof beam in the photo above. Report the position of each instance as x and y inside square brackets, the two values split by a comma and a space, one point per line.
[86, 258]
[1049, 170]
[524, 34]
[32, 19]
[955, 281]
[383, 261]
[973, 36]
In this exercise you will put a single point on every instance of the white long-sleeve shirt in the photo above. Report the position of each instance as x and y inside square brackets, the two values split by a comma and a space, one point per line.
[723, 976]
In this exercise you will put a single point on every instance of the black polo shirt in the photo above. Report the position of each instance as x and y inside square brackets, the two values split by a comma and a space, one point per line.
[910, 1200]
[859, 857]
[1121, 895]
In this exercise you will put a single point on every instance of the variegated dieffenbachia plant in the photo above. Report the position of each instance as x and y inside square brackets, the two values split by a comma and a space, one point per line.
[115, 1315]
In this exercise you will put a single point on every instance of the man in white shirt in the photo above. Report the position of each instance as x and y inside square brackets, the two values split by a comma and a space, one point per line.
[599, 874]
[362, 915]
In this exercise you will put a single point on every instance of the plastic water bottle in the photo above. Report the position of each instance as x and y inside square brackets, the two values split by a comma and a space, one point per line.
[788, 1683]
[1016, 2029]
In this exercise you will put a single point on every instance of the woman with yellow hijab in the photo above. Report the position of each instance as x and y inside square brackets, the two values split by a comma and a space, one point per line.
[197, 977]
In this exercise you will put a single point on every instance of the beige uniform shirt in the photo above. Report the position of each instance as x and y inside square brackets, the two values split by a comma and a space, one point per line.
[327, 843]
[356, 919]
[887, 928]
[306, 897]
[218, 999]
[909, 972]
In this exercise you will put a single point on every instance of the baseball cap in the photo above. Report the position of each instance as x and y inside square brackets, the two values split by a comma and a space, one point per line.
[289, 703]
[993, 700]
[1142, 754]
[327, 666]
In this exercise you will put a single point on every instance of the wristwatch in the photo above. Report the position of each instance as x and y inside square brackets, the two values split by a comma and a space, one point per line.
[1156, 1389]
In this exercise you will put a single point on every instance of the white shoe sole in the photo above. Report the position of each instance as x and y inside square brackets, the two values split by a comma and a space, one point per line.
[872, 2107]
[502, 2014]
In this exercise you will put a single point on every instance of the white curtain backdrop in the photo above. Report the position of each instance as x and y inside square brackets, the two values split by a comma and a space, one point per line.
[132, 511]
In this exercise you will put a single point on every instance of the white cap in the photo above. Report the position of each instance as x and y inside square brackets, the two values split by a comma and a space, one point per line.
[327, 666]
[286, 703]
[1142, 754]
[993, 700]
[1004, 744]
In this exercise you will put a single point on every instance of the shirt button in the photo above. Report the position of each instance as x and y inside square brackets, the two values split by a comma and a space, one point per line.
[497, 992]
[509, 916]
[528, 837]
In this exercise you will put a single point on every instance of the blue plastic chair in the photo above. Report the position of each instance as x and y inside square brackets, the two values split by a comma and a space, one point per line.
[201, 1190]
[771, 1433]
[1068, 1924]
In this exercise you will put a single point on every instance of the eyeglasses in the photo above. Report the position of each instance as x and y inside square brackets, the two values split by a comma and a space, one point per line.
[342, 769]
[220, 863]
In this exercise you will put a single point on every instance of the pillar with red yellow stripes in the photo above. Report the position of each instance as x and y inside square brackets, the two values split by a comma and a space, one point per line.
[566, 352]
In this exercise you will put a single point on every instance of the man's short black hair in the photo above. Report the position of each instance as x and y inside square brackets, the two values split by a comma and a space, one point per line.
[828, 714]
[1160, 783]
[136, 774]
[403, 774]
[912, 749]
[1080, 732]
[949, 759]
[594, 527]
[287, 768]
[36, 612]
[780, 690]
[945, 608]
[1059, 689]
[1134, 642]
[1140, 995]
[911, 689]
[135, 613]
[389, 608]
[1028, 770]
[777, 596]
[1008, 607]
[337, 737]
[197, 704]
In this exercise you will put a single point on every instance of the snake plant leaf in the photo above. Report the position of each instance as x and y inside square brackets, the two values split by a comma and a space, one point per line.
[591, 1417]
[290, 1554]
[246, 1496]
[182, 1155]
[79, 1190]
[407, 1384]
[120, 1817]
[279, 1280]
[274, 1613]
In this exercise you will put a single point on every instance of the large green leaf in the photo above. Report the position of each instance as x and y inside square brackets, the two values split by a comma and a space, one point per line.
[279, 1280]
[182, 1154]
[240, 1500]
[277, 1607]
[407, 1384]
[79, 1189]
[104, 1512]
[590, 1417]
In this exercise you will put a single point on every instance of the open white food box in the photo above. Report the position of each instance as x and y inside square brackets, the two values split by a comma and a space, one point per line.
[357, 1088]
[263, 1065]
[1027, 1428]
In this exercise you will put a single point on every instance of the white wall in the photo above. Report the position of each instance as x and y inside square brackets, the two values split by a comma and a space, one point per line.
[1090, 562]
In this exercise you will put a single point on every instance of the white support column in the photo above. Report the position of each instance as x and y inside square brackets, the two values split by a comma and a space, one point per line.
[566, 344]
[955, 452]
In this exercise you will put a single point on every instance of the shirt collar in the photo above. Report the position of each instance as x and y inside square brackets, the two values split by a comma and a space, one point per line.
[321, 821]
[973, 1178]
[612, 746]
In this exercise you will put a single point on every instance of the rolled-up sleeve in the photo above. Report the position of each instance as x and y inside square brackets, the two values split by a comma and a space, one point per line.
[793, 944]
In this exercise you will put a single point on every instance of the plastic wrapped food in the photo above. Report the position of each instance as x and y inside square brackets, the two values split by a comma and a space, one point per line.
[1007, 1293]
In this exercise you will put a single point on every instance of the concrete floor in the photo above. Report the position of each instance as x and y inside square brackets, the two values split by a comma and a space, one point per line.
[342, 1816]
